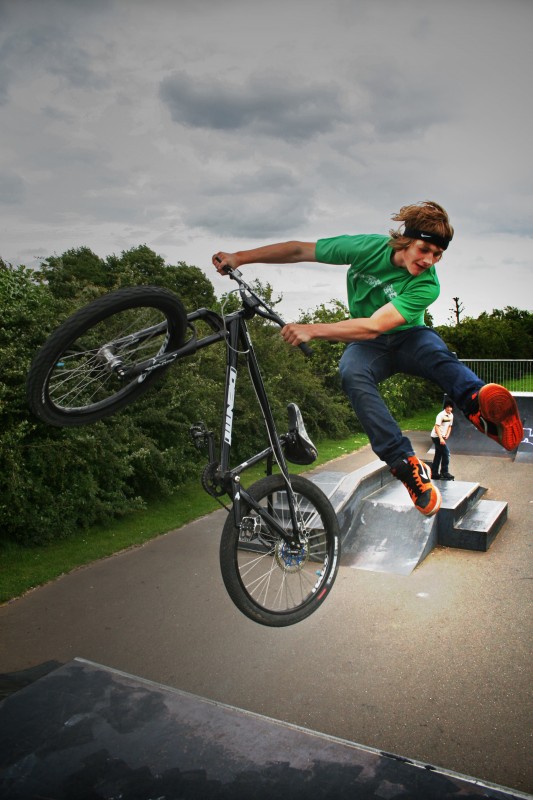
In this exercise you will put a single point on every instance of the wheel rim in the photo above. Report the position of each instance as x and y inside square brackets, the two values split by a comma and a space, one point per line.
[83, 375]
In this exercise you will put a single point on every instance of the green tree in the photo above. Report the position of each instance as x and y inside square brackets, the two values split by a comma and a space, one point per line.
[59, 481]
[80, 274]
[67, 274]
[326, 355]
[501, 334]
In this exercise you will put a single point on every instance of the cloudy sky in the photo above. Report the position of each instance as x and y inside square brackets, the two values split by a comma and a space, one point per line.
[199, 125]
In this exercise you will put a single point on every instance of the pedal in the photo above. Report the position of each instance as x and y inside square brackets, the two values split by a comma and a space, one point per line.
[249, 528]
[200, 435]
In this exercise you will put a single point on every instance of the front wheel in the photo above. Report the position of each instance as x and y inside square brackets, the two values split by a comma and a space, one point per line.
[267, 582]
[73, 379]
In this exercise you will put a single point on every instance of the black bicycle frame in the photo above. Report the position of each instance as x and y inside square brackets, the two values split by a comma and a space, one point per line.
[234, 330]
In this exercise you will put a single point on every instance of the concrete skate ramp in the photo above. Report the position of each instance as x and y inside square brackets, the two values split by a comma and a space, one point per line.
[382, 531]
[467, 440]
[389, 534]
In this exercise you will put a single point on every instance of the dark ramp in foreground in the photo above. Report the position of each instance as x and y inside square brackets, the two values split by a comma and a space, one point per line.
[86, 731]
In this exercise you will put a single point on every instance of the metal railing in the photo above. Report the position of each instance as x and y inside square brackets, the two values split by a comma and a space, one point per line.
[516, 374]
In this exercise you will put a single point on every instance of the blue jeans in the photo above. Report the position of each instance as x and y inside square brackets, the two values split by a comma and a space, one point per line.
[417, 351]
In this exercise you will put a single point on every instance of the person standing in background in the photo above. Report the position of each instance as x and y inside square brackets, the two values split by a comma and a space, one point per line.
[439, 435]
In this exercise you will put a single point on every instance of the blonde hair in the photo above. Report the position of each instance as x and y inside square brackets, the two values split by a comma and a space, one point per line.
[427, 216]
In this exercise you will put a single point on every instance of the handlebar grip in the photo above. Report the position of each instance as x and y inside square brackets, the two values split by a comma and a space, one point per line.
[304, 347]
[227, 270]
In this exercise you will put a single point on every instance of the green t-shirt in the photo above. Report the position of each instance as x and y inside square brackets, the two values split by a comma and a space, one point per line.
[373, 280]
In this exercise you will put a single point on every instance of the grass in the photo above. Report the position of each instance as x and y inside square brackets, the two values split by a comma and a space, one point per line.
[520, 384]
[23, 568]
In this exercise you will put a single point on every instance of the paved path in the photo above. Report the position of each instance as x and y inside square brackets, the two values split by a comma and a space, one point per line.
[434, 666]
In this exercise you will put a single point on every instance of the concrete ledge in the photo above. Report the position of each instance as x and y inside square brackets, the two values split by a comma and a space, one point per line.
[382, 531]
[479, 527]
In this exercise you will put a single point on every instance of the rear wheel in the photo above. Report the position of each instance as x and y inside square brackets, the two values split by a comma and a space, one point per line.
[73, 381]
[266, 581]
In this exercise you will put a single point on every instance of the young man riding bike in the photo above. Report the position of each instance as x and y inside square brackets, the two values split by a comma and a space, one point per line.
[391, 281]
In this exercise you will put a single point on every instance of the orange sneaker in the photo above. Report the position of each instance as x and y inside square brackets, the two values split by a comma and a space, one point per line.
[416, 477]
[496, 415]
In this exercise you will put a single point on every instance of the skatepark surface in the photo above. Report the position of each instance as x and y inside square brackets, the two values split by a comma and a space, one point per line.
[434, 666]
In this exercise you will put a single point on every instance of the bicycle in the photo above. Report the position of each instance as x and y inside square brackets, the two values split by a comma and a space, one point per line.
[280, 544]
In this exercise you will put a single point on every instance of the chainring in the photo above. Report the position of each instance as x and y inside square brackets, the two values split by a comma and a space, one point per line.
[209, 481]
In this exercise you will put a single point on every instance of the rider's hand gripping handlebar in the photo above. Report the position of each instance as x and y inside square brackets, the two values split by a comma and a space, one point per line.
[236, 275]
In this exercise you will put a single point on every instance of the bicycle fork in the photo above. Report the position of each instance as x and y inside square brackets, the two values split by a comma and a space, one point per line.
[250, 526]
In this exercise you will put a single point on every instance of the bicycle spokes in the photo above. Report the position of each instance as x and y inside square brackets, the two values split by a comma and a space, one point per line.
[278, 579]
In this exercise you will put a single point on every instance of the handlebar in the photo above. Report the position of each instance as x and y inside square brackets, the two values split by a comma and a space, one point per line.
[267, 313]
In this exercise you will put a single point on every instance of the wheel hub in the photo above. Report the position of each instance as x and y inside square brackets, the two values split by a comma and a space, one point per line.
[292, 559]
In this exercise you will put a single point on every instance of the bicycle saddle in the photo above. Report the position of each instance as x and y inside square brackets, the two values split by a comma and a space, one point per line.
[297, 446]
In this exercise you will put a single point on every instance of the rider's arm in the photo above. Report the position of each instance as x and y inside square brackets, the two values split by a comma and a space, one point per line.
[282, 253]
[348, 330]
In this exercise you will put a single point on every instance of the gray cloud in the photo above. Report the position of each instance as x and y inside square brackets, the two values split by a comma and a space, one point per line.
[48, 50]
[271, 105]
[401, 105]
[42, 38]
[12, 188]
[265, 180]
[251, 215]
[198, 125]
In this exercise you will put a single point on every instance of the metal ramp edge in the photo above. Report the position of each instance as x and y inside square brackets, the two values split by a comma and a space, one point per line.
[380, 529]
[525, 407]
[466, 440]
[389, 534]
[347, 491]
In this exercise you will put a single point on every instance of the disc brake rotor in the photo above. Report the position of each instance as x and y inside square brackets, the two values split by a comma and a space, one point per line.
[290, 561]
